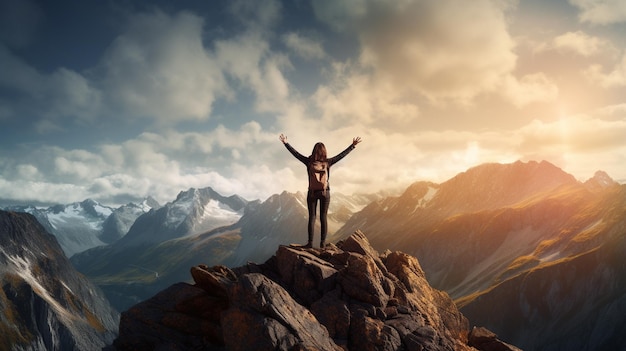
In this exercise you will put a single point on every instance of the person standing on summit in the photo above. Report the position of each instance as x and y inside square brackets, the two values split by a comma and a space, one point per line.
[318, 169]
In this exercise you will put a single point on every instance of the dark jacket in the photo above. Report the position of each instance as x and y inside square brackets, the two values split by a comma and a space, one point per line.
[307, 160]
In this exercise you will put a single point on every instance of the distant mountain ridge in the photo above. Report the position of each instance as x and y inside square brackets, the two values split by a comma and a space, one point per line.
[45, 304]
[83, 225]
[193, 211]
[497, 226]
[123, 217]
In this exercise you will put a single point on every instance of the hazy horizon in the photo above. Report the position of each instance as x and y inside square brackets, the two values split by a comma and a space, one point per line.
[391, 191]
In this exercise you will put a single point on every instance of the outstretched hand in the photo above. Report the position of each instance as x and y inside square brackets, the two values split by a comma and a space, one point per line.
[283, 138]
[356, 141]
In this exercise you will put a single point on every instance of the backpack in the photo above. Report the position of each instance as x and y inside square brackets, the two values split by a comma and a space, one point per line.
[318, 175]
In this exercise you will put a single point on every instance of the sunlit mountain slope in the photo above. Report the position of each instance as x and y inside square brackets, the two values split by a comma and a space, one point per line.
[495, 227]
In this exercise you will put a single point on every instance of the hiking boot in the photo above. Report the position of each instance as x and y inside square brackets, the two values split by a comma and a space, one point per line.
[308, 246]
[322, 245]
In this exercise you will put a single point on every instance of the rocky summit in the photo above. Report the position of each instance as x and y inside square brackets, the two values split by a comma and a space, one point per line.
[344, 297]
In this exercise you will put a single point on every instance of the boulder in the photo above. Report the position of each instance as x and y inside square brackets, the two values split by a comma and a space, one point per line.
[371, 334]
[214, 280]
[333, 312]
[263, 316]
[309, 276]
[362, 280]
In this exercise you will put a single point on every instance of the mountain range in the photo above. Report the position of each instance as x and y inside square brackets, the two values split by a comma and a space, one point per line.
[45, 304]
[525, 238]
[83, 225]
[524, 249]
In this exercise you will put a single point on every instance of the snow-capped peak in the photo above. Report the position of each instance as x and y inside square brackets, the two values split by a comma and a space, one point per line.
[603, 179]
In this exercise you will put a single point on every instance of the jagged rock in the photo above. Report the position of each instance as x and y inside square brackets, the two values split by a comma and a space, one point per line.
[367, 333]
[263, 316]
[345, 297]
[308, 275]
[362, 280]
[334, 314]
[486, 340]
[215, 280]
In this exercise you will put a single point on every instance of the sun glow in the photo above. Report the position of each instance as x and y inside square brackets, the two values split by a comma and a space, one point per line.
[564, 127]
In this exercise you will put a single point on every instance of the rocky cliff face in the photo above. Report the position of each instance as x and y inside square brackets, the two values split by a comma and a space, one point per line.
[345, 297]
[44, 303]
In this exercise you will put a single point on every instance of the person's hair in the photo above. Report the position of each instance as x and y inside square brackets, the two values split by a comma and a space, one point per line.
[319, 152]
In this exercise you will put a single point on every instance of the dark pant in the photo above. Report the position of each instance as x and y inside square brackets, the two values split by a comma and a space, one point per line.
[311, 200]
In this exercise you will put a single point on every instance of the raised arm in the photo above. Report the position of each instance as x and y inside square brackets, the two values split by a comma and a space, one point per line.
[345, 152]
[296, 154]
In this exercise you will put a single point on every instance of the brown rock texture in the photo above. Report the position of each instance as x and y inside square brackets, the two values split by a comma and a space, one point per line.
[344, 297]
[486, 340]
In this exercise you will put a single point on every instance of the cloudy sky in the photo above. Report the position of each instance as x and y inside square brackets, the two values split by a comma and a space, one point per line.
[117, 100]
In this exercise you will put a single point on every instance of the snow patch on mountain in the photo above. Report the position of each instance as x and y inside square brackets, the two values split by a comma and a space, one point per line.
[75, 213]
[22, 267]
[177, 212]
[424, 200]
[221, 212]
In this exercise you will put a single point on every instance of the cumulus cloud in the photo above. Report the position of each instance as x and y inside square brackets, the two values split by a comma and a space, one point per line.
[303, 46]
[444, 50]
[248, 59]
[352, 98]
[616, 77]
[529, 88]
[62, 94]
[601, 12]
[28, 171]
[159, 68]
[153, 164]
[447, 51]
[582, 43]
